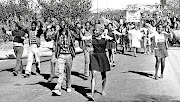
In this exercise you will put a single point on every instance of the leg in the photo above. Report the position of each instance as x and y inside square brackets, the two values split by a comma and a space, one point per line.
[53, 63]
[112, 57]
[162, 66]
[29, 61]
[110, 54]
[37, 58]
[18, 52]
[135, 52]
[103, 74]
[145, 46]
[61, 66]
[87, 62]
[68, 67]
[157, 67]
[93, 82]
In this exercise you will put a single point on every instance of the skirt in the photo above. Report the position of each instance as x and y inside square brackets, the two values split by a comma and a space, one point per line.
[161, 51]
[111, 44]
[99, 62]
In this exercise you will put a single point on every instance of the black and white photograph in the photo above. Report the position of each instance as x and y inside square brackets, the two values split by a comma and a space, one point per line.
[89, 50]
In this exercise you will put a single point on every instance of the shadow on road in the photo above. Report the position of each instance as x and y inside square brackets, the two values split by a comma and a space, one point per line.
[84, 90]
[45, 84]
[80, 75]
[155, 98]
[141, 73]
[80, 89]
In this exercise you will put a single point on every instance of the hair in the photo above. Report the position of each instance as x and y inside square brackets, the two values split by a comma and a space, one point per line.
[110, 24]
[34, 22]
[53, 27]
[87, 23]
[17, 25]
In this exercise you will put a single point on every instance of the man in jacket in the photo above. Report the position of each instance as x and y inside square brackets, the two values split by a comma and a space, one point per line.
[64, 52]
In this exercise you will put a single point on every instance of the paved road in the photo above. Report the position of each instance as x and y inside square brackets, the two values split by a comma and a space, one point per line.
[130, 81]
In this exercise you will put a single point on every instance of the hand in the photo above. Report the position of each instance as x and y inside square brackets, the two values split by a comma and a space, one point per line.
[23, 38]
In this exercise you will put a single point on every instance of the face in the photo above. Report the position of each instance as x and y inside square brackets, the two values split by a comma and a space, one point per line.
[62, 24]
[110, 27]
[33, 26]
[160, 29]
[87, 26]
[96, 33]
[52, 29]
[79, 25]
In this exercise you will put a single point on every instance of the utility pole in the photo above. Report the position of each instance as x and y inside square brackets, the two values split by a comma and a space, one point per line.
[97, 9]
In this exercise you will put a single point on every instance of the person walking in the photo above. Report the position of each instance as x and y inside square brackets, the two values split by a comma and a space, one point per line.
[87, 47]
[34, 43]
[136, 36]
[50, 33]
[18, 46]
[64, 52]
[160, 48]
[111, 43]
[98, 60]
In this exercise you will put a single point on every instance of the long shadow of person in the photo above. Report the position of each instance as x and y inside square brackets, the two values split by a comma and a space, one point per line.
[83, 90]
[80, 75]
[141, 73]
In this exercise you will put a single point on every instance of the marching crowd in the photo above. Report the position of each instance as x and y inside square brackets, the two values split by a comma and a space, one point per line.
[99, 41]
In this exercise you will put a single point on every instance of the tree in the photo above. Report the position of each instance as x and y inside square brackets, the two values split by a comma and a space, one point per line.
[70, 9]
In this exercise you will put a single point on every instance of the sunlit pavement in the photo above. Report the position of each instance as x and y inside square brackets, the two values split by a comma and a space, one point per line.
[131, 80]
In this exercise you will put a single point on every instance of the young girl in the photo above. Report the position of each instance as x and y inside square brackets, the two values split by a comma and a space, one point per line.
[160, 49]
[98, 60]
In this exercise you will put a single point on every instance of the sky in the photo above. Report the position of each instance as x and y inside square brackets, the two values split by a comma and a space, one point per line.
[118, 4]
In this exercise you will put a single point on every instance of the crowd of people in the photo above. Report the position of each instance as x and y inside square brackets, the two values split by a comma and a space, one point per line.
[98, 39]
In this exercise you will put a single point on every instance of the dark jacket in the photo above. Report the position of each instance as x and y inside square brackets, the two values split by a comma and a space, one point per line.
[71, 43]
[17, 36]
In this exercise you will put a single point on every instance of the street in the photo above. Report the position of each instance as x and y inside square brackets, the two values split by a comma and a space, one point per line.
[131, 80]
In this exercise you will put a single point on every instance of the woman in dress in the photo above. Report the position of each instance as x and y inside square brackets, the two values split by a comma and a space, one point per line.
[98, 60]
[111, 43]
[136, 37]
[160, 49]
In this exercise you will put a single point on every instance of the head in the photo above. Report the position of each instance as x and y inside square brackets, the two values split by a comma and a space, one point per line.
[63, 31]
[53, 28]
[110, 26]
[17, 27]
[98, 30]
[63, 24]
[159, 28]
[33, 25]
[78, 24]
[87, 25]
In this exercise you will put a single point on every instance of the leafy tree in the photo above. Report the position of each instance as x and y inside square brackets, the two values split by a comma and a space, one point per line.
[71, 9]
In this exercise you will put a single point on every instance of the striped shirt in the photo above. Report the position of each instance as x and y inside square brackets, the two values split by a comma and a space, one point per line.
[32, 37]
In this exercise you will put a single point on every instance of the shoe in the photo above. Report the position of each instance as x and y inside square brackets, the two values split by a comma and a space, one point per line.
[69, 90]
[26, 75]
[15, 73]
[103, 93]
[161, 76]
[91, 98]
[50, 79]
[56, 92]
[113, 64]
[156, 77]
[38, 71]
